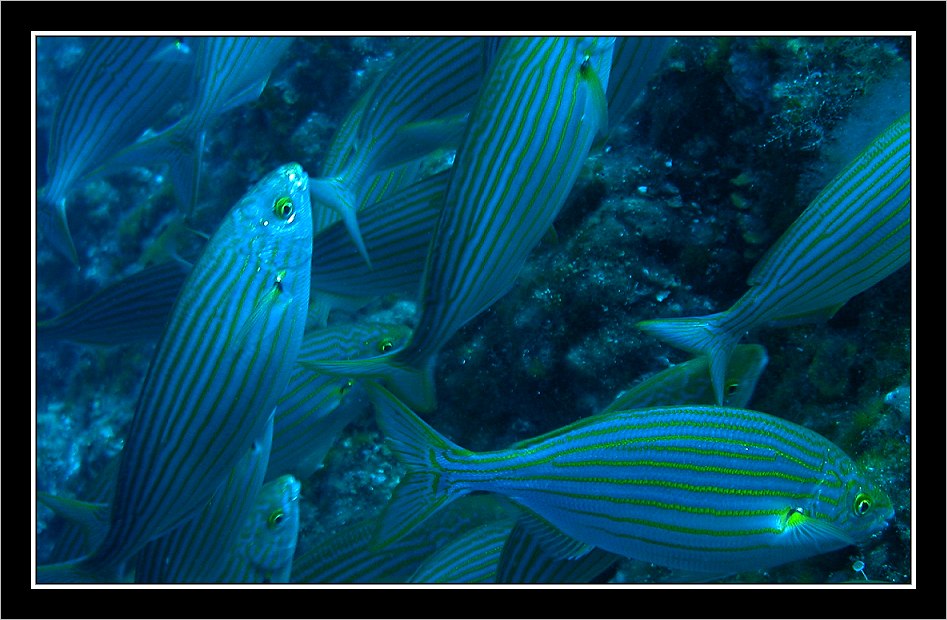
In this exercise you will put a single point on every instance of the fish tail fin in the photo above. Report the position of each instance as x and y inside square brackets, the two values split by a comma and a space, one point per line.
[336, 193]
[423, 490]
[412, 384]
[702, 335]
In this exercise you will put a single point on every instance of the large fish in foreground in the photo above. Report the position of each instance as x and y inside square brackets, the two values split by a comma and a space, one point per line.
[217, 373]
[704, 489]
[540, 108]
[855, 233]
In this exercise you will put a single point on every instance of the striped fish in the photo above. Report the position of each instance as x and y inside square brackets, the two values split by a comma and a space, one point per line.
[396, 231]
[855, 233]
[503, 551]
[539, 109]
[347, 556]
[259, 551]
[689, 383]
[121, 88]
[267, 541]
[705, 489]
[134, 309]
[230, 71]
[472, 557]
[218, 371]
[418, 105]
[634, 61]
[523, 560]
[315, 409]
[202, 549]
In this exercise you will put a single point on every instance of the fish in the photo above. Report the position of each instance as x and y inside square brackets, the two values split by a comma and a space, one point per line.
[539, 109]
[419, 104]
[259, 551]
[230, 71]
[236, 538]
[122, 87]
[503, 551]
[133, 309]
[469, 558]
[522, 560]
[347, 555]
[705, 489]
[854, 233]
[315, 408]
[397, 231]
[217, 373]
[203, 549]
[634, 61]
[688, 383]
[267, 542]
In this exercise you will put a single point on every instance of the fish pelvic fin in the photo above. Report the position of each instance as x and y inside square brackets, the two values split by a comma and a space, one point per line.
[412, 384]
[336, 193]
[423, 490]
[702, 335]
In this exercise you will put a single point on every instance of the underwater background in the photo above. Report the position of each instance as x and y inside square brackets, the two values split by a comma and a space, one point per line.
[731, 140]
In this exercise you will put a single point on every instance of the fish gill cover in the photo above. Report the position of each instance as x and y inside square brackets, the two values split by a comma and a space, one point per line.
[724, 148]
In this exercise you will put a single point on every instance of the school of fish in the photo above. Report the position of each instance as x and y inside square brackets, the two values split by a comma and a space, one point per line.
[253, 377]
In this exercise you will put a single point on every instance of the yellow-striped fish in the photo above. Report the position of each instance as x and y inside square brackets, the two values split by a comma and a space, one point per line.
[855, 233]
[705, 489]
[541, 106]
[217, 373]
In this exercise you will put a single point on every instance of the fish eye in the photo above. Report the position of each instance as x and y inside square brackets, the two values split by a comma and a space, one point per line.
[346, 387]
[283, 207]
[275, 518]
[862, 504]
[385, 345]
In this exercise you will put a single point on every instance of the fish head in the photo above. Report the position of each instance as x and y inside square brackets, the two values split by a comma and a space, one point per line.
[863, 508]
[274, 220]
[274, 524]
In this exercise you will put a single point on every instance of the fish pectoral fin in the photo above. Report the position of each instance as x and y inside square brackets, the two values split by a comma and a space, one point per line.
[810, 531]
[258, 325]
